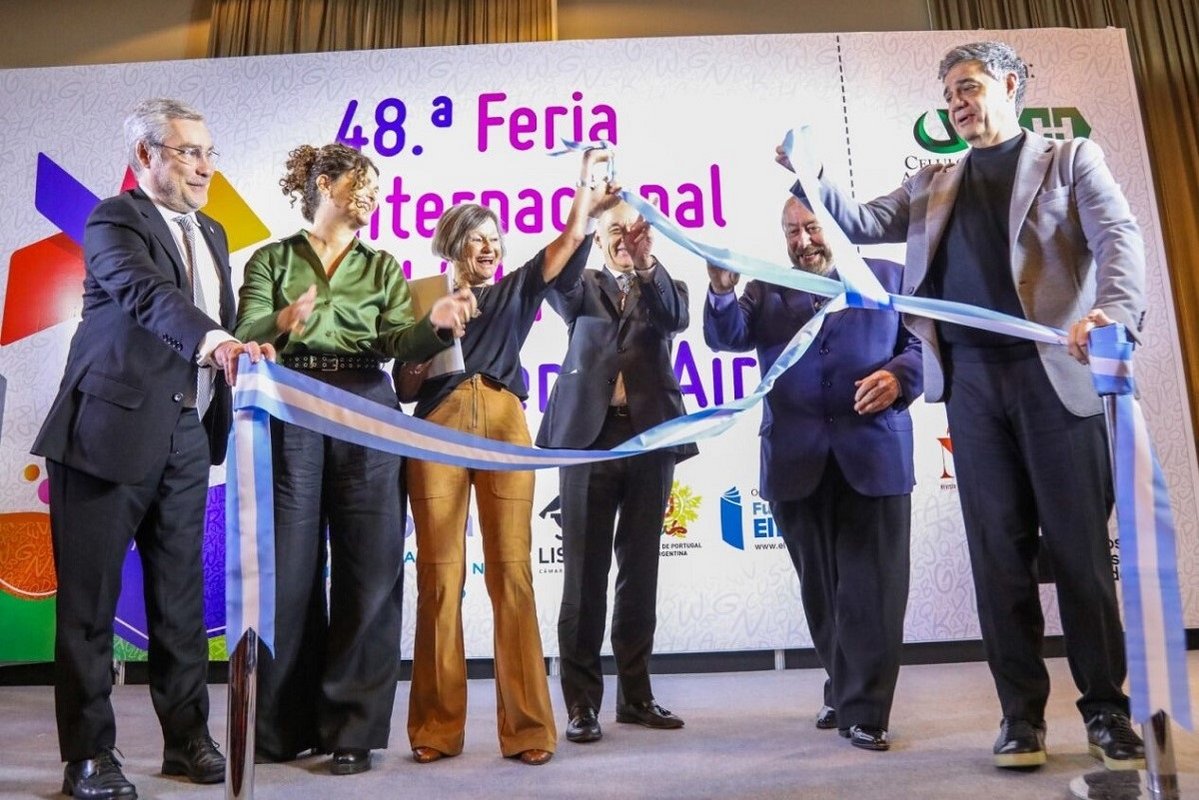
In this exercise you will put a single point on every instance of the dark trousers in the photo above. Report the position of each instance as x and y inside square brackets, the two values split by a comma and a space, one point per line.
[592, 495]
[92, 522]
[332, 680]
[851, 553]
[1022, 462]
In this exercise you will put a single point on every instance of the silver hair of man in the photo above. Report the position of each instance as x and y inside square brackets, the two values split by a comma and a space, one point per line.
[148, 122]
[455, 227]
[997, 58]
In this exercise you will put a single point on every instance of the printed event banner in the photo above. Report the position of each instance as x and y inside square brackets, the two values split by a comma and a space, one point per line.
[695, 122]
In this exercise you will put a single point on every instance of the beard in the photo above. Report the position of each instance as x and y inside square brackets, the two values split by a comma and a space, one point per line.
[822, 266]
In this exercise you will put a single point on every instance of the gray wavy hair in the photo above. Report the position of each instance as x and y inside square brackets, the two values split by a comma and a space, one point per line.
[997, 58]
[149, 121]
[456, 226]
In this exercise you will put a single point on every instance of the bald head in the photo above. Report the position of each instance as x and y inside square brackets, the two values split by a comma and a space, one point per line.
[805, 239]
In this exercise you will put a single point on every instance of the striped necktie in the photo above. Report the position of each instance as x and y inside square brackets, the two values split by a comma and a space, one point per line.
[204, 375]
[622, 283]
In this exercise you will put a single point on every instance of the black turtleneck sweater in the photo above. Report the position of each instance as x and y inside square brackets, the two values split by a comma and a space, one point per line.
[972, 263]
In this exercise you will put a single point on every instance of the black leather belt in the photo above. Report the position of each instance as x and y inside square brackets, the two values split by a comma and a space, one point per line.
[329, 362]
[618, 411]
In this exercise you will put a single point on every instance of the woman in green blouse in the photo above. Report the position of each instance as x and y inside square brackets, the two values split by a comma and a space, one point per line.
[336, 308]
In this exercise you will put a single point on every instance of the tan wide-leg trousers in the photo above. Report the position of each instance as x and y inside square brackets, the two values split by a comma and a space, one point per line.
[439, 495]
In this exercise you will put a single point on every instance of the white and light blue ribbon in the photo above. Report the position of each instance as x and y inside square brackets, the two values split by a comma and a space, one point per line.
[249, 528]
[1152, 603]
[1154, 629]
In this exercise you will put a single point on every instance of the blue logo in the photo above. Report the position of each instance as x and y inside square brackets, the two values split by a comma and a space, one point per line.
[731, 525]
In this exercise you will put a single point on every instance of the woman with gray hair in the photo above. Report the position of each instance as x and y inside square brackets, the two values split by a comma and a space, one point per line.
[485, 399]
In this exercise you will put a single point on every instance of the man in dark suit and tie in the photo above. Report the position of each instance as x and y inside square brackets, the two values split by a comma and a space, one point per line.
[836, 468]
[143, 409]
[1039, 229]
[617, 380]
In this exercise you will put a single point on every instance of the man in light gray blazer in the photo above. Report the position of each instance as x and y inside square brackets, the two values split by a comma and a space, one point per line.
[1039, 229]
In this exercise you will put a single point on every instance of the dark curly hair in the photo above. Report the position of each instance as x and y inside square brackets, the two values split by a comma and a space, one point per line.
[307, 163]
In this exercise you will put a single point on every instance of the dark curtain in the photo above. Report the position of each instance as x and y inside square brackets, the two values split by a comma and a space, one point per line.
[1163, 38]
[262, 27]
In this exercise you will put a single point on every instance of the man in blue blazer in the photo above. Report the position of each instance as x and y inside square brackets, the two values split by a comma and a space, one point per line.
[1039, 229]
[836, 468]
[143, 410]
[617, 380]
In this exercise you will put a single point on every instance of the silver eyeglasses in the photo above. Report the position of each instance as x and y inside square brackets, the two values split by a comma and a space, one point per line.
[192, 154]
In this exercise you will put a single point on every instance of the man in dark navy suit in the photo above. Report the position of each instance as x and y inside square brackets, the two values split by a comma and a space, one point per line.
[836, 468]
[143, 409]
[616, 381]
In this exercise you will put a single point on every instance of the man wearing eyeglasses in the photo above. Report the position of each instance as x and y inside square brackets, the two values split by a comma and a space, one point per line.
[143, 409]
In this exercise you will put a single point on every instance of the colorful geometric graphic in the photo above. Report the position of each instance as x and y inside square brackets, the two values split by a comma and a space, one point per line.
[45, 279]
[27, 583]
[45, 287]
[26, 558]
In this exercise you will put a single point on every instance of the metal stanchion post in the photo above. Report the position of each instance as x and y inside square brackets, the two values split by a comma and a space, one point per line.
[243, 694]
[1159, 781]
[1159, 758]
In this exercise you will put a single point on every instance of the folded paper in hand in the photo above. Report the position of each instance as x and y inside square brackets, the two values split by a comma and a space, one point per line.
[410, 376]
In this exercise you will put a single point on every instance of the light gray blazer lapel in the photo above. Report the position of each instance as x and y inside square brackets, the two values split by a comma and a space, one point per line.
[1036, 157]
[942, 193]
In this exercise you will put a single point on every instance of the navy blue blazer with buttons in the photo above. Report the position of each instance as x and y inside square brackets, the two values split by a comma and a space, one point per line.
[604, 341]
[133, 357]
[808, 415]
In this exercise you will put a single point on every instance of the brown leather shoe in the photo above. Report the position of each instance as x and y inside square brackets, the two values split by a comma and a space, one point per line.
[535, 757]
[426, 755]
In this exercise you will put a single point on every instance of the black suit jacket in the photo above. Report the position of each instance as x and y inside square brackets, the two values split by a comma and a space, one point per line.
[132, 359]
[605, 341]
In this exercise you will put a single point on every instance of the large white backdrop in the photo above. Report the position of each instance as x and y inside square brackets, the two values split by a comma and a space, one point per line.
[699, 117]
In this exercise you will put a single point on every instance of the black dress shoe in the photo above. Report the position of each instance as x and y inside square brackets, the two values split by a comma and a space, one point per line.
[583, 726]
[649, 714]
[350, 761]
[866, 737]
[1110, 737]
[196, 758]
[261, 757]
[1021, 744]
[98, 778]
[826, 718]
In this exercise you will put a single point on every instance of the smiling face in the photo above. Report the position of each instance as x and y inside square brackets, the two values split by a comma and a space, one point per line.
[981, 109]
[609, 236]
[481, 254]
[167, 177]
[805, 239]
[352, 197]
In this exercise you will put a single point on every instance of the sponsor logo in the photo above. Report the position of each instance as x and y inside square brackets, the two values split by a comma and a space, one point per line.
[682, 510]
[934, 132]
[948, 479]
[549, 557]
[736, 518]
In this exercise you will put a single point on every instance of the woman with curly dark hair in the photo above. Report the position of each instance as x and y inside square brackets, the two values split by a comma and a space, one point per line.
[335, 308]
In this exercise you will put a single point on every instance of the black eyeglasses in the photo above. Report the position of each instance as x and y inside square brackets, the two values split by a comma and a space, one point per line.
[193, 154]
